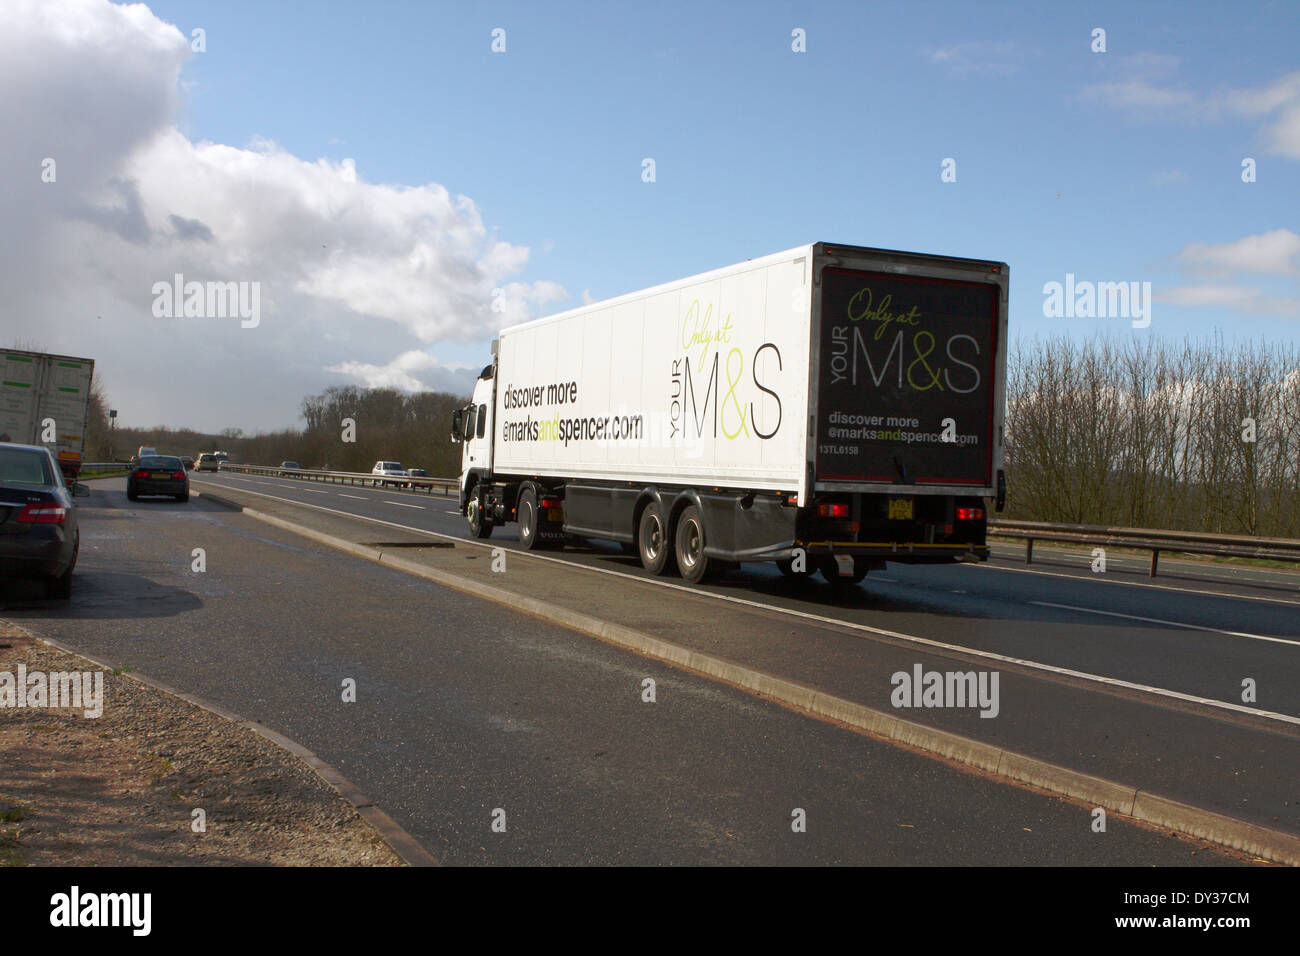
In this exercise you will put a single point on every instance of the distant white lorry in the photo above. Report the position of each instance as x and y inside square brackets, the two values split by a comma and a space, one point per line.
[45, 400]
[828, 407]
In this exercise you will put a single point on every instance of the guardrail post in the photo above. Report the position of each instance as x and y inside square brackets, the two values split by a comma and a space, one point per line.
[1155, 556]
[1029, 551]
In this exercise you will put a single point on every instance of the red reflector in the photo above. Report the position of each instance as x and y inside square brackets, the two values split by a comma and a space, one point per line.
[970, 514]
[833, 511]
[42, 514]
[550, 503]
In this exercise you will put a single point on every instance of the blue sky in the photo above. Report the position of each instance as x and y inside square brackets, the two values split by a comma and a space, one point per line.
[1115, 166]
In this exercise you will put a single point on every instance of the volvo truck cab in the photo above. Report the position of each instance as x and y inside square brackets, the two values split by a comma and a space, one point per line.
[472, 427]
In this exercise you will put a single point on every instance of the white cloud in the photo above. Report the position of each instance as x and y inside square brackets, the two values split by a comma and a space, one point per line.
[1142, 91]
[411, 371]
[356, 278]
[1237, 298]
[1275, 253]
[989, 57]
[1142, 96]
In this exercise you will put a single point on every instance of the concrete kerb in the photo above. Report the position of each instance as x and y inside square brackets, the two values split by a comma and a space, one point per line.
[1124, 799]
[399, 841]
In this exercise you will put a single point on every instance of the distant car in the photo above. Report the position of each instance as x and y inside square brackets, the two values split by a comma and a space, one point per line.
[145, 450]
[207, 462]
[388, 469]
[158, 475]
[286, 466]
[38, 519]
[416, 473]
[187, 462]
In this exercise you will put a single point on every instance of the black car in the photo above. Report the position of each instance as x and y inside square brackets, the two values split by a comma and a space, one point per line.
[38, 518]
[158, 475]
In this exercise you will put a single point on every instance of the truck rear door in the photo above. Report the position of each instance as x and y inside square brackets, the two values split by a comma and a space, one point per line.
[910, 357]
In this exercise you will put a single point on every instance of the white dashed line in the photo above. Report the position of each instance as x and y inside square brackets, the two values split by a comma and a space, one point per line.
[1157, 620]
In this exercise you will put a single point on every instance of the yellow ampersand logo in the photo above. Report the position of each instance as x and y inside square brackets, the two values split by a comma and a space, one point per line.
[733, 382]
[921, 358]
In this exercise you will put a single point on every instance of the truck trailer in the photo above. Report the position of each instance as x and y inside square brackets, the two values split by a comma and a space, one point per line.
[45, 400]
[829, 408]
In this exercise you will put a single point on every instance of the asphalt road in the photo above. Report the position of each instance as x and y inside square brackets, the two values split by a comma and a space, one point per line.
[1186, 635]
[465, 707]
[1111, 675]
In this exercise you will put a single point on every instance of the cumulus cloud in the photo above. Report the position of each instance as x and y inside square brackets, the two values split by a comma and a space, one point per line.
[412, 371]
[1275, 253]
[357, 279]
[1235, 297]
[1143, 88]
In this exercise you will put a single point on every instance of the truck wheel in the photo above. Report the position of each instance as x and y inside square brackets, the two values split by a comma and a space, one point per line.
[831, 572]
[529, 523]
[654, 541]
[688, 543]
[480, 525]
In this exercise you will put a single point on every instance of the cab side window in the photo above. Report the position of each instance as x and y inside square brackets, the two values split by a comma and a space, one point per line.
[482, 421]
[469, 422]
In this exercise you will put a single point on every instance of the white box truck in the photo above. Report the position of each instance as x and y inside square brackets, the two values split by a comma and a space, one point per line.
[829, 408]
[45, 400]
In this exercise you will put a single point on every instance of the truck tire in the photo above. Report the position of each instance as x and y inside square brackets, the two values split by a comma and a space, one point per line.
[831, 572]
[688, 545]
[655, 541]
[530, 523]
[786, 567]
[480, 525]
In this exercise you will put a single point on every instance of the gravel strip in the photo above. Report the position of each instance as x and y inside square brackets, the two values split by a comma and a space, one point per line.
[122, 788]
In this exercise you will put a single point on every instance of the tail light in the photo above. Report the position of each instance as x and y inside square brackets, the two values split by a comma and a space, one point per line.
[141, 474]
[833, 511]
[42, 513]
[970, 514]
[178, 474]
[550, 502]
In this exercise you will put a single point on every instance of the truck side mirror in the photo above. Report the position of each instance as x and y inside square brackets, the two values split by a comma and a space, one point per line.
[457, 426]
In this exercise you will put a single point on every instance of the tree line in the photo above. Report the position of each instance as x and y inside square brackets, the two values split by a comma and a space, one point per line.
[1194, 436]
[387, 424]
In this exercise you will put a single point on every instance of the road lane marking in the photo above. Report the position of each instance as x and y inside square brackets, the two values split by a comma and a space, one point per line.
[1157, 620]
[1098, 579]
[341, 495]
[834, 622]
[404, 505]
[316, 491]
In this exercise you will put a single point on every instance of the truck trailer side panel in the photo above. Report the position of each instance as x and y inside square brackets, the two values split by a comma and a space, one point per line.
[702, 380]
[40, 393]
